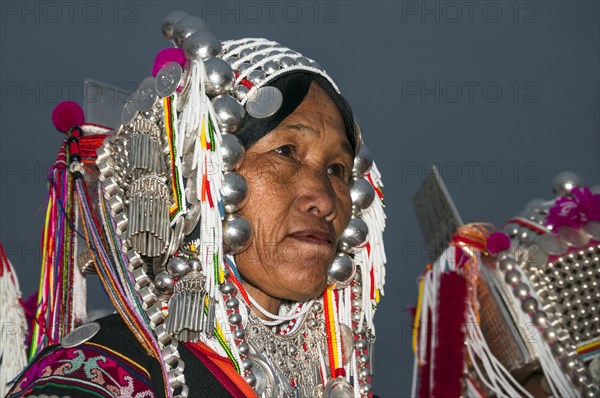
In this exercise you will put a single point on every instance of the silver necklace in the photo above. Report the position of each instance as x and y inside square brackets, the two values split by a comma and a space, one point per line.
[288, 365]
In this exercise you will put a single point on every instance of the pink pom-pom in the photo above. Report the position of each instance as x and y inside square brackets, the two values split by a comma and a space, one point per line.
[66, 115]
[167, 55]
[497, 242]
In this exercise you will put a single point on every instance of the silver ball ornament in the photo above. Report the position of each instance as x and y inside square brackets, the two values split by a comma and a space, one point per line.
[163, 283]
[303, 61]
[227, 288]
[169, 22]
[507, 264]
[195, 265]
[234, 192]
[286, 61]
[564, 183]
[185, 26]
[521, 290]
[177, 267]
[256, 76]
[540, 319]
[232, 303]
[250, 379]
[237, 232]
[219, 76]
[240, 92]
[362, 194]
[529, 305]
[229, 113]
[354, 237]
[342, 269]
[234, 318]
[232, 152]
[201, 45]
[243, 67]
[362, 162]
[270, 67]
[512, 277]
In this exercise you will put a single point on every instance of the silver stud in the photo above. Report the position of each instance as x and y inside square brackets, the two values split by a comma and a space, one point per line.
[342, 269]
[362, 194]
[232, 303]
[512, 277]
[177, 267]
[229, 113]
[234, 318]
[227, 288]
[362, 162]
[564, 183]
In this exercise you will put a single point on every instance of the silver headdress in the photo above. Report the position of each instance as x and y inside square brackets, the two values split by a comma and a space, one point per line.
[170, 185]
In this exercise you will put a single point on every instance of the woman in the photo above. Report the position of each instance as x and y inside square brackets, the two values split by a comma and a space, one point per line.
[238, 238]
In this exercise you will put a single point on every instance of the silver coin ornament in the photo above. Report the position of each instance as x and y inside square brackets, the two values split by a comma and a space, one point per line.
[362, 162]
[237, 232]
[129, 111]
[362, 194]
[201, 45]
[186, 26]
[168, 79]
[177, 267]
[338, 388]
[232, 152]
[219, 77]
[146, 95]
[264, 102]
[169, 22]
[354, 237]
[342, 270]
[80, 335]
[347, 341]
[573, 237]
[229, 113]
[234, 192]
[192, 218]
[552, 245]
[164, 283]
[564, 183]
[303, 61]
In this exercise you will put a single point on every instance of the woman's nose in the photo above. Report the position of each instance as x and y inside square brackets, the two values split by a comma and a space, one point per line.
[315, 194]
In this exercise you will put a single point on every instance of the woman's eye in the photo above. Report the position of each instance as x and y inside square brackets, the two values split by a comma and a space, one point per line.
[285, 150]
[337, 170]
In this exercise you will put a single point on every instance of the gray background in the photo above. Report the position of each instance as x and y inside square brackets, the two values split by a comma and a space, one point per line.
[406, 68]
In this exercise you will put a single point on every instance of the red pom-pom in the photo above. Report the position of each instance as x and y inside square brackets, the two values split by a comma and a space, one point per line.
[167, 55]
[497, 242]
[66, 115]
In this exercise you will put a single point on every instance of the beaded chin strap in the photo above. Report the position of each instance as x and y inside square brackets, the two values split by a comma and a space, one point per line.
[165, 230]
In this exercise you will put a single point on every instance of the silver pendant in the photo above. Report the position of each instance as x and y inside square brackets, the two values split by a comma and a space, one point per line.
[167, 79]
[265, 102]
[266, 385]
[80, 335]
[573, 237]
[338, 388]
[552, 244]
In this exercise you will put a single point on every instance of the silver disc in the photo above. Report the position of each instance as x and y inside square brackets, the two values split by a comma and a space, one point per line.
[593, 229]
[265, 102]
[129, 112]
[552, 245]
[573, 237]
[338, 388]
[80, 335]
[167, 79]
[191, 218]
[146, 95]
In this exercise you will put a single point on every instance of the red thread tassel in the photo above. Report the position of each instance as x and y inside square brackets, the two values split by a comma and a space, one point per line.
[449, 352]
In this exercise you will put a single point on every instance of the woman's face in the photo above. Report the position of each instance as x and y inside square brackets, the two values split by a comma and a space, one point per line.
[298, 201]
